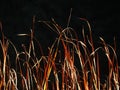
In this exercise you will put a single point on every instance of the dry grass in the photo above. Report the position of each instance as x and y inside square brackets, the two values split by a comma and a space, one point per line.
[71, 64]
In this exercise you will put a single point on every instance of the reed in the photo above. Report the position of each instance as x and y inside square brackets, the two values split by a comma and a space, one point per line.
[71, 63]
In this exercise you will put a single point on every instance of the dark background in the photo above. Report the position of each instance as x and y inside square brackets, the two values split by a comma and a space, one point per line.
[104, 17]
[16, 17]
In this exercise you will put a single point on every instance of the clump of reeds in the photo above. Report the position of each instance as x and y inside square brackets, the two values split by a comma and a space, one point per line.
[71, 63]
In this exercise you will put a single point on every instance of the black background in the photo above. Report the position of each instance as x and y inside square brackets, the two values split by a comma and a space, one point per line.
[16, 17]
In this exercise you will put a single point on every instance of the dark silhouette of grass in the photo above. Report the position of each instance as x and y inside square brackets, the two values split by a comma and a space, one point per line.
[58, 69]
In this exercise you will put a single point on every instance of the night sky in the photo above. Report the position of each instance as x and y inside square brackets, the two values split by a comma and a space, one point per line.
[16, 16]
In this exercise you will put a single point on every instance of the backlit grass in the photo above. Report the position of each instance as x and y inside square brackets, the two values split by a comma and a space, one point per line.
[70, 64]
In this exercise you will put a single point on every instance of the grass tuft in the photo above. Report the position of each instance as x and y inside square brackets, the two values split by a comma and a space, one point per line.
[71, 63]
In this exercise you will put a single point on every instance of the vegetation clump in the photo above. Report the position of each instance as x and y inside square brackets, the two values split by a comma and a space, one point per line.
[71, 63]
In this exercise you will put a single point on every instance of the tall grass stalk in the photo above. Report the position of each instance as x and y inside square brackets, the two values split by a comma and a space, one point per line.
[70, 64]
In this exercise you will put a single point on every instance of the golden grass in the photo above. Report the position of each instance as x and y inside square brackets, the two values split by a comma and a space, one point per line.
[58, 70]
